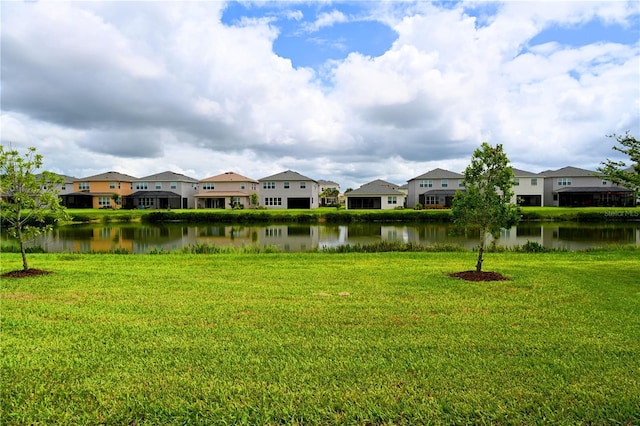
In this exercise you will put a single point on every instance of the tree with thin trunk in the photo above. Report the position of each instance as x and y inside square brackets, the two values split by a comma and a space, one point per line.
[627, 175]
[29, 202]
[485, 205]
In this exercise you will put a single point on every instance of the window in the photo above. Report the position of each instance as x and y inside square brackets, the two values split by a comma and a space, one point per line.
[564, 181]
[303, 185]
[431, 199]
[83, 186]
[112, 185]
[444, 183]
[604, 182]
[142, 185]
[243, 185]
[145, 202]
[104, 202]
[426, 184]
[534, 181]
[286, 185]
[174, 185]
[460, 183]
[392, 199]
[158, 185]
[253, 187]
[64, 187]
[268, 185]
[516, 181]
[208, 186]
[273, 201]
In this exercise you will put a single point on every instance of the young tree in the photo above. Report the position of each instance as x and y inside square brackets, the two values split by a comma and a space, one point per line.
[618, 171]
[485, 205]
[27, 199]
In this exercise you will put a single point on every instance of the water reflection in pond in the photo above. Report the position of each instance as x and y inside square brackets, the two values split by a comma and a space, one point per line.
[141, 238]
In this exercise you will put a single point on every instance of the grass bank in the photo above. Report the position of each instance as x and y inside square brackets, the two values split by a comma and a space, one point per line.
[322, 339]
[332, 215]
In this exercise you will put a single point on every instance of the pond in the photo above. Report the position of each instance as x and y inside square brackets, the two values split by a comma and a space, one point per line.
[142, 238]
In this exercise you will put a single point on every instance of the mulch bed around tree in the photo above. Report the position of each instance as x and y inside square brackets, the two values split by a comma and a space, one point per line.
[31, 272]
[479, 276]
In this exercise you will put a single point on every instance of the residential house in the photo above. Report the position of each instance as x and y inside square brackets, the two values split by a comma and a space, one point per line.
[327, 185]
[575, 187]
[434, 189]
[66, 187]
[166, 190]
[377, 194]
[528, 188]
[98, 191]
[227, 190]
[289, 190]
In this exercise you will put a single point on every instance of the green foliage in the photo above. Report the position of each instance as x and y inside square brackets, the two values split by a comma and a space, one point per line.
[485, 205]
[27, 199]
[616, 171]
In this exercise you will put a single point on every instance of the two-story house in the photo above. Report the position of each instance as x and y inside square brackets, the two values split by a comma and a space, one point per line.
[575, 187]
[98, 191]
[329, 199]
[377, 194]
[166, 190]
[434, 189]
[289, 190]
[226, 190]
[528, 188]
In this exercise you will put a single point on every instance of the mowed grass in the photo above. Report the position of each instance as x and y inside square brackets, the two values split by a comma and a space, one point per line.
[317, 338]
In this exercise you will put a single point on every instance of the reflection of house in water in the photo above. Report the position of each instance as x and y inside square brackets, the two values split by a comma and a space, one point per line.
[290, 237]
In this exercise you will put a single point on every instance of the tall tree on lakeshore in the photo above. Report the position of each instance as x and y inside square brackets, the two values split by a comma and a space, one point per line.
[485, 205]
[29, 202]
[627, 175]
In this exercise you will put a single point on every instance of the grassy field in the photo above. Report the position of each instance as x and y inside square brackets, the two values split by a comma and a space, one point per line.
[317, 338]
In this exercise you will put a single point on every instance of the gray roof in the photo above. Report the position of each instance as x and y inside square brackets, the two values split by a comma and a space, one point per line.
[568, 171]
[438, 174]
[109, 177]
[168, 177]
[519, 172]
[446, 192]
[587, 189]
[66, 178]
[376, 187]
[328, 183]
[167, 194]
[288, 175]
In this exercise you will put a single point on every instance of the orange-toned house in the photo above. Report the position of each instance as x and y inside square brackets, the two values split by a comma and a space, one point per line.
[97, 191]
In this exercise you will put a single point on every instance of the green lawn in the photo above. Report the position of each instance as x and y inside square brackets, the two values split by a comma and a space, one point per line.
[317, 338]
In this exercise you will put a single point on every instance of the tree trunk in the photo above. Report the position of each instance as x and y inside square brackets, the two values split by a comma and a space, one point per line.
[480, 252]
[25, 266]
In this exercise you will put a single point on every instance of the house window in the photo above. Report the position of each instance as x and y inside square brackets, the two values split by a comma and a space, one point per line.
[208, 186]
[268, 185]
[392, 199]
[460, 183]
[243, 185]
[444, 183]
[286, 185]
[253, 186]
[174, 185]
[112, 185]
[142, 185]
[431, 199]
[604, 182]
[564, 181]
[104, 202]
[83, 186]
[426, 184]
[158, 185]
[534, 181]
[64, 187]
[303, 185]
[516, 182]
[273, 201]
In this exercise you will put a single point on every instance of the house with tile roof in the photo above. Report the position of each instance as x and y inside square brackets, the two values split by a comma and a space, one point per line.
[97, 191]
[225, 191]
[575, 187]
[376, 195]
[434, 189]
[289, 190]
[166, 190]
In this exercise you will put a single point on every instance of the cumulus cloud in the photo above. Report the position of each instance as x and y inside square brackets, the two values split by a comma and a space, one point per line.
[144, 87]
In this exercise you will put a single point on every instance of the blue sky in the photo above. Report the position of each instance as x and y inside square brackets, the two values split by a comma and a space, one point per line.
[346, 91]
